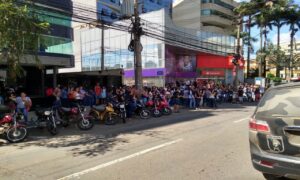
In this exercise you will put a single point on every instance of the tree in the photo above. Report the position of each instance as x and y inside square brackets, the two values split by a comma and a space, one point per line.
[263, 12]
[276, 58]
[277, 19]
[247, 9]
[20, 30]
[292, 17]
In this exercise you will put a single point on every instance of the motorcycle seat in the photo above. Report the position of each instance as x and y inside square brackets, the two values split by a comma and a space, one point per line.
[66, 109]
[100, 107]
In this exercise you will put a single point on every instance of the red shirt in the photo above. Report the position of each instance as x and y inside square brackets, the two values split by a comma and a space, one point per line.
[97, 90]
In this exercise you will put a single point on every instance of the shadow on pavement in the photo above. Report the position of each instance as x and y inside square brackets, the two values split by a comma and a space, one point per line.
[102, 138]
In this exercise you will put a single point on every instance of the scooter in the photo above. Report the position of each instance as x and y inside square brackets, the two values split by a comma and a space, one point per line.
[9, 127]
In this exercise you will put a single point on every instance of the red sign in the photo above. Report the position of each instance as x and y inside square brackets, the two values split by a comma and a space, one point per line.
[213, 73]
[205, 60]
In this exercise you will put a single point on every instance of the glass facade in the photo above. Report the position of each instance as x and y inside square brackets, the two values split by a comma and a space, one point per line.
[112, 14]
[217, 42]
[116, 53]
[59, 40]
[58, 45]
[209, 12]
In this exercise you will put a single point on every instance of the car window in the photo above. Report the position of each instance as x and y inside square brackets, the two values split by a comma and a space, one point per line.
[280, 102]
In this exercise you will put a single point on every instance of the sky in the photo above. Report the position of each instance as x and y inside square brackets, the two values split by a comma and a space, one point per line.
[272, 36]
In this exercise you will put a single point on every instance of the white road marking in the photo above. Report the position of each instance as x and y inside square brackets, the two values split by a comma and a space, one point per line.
[76, 175]
[241, 120]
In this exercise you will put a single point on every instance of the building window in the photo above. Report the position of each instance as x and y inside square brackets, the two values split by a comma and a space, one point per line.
[208, 12]
[113, 1]
[220, 3]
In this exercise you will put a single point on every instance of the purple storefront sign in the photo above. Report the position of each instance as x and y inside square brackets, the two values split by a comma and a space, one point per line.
[182, 74]
[146, 73]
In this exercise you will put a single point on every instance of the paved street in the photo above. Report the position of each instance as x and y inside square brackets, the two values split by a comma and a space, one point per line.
[202, 144]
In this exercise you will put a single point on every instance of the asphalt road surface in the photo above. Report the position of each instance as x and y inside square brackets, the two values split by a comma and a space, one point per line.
[198, 144]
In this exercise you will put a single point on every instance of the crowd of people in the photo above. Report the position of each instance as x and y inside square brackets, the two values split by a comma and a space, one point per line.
[190, 95]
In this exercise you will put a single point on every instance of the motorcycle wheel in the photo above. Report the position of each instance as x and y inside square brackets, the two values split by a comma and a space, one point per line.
[145, 114]
[167, 111]
[50, 127]
[110, 119]
[123, 116]
[85, 124]
[16, 134]
[156, 113]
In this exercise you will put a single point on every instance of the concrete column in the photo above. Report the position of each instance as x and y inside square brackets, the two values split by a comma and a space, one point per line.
[55, 72]
[43, 82]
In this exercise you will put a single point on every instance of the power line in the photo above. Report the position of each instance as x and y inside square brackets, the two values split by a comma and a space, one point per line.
[150, 31]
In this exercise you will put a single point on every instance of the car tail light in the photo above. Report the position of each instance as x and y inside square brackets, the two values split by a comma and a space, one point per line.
[266, 163]
[261, 126]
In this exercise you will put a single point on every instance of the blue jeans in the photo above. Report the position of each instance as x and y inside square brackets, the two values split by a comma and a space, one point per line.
[192, 103]
[24, 112]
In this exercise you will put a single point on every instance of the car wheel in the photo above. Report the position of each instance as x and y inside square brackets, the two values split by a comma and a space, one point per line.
[273, 177]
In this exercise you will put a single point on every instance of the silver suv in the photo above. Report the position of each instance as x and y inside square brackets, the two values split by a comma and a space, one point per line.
[275, 133]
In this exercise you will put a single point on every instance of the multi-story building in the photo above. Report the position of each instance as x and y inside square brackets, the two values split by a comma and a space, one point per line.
[167, 48]
[286, 47]
[205, 15]
[55, 47]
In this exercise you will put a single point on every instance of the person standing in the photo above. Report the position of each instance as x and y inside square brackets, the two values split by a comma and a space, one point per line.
[176, 101]
[23, 105]
[98, 91]
[192, 99]
[240, 95]
[103, 95]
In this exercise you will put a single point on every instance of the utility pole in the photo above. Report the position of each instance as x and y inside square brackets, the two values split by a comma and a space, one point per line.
[261, 54]
[249, 46]
[102, 47]
[237, 56]
[137, 31]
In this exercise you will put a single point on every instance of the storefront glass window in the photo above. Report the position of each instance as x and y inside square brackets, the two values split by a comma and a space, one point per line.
[51, 44]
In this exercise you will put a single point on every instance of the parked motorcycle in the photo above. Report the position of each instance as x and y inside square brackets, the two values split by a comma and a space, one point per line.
[153, 108]
[9, 127]
[76, 114]
[104, 113]
[120, 109]
[164, 107]
[45, 119]
[142, 111]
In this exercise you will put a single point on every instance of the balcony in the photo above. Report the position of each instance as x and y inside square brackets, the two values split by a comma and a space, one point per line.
[216, 20]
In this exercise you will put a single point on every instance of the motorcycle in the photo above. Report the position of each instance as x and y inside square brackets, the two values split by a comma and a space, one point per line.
[104, 113]
[76, 114]
[120, 109]
[45, 119]
[142, 111]
[10, 127]
[153, 108]
[164, 107]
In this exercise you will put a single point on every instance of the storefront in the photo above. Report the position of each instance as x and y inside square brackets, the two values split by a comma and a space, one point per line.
[151, 77]
[217, 67]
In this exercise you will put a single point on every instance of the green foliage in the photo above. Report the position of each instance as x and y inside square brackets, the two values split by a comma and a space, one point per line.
[270, 75]
[274, 78]
[19, 33]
